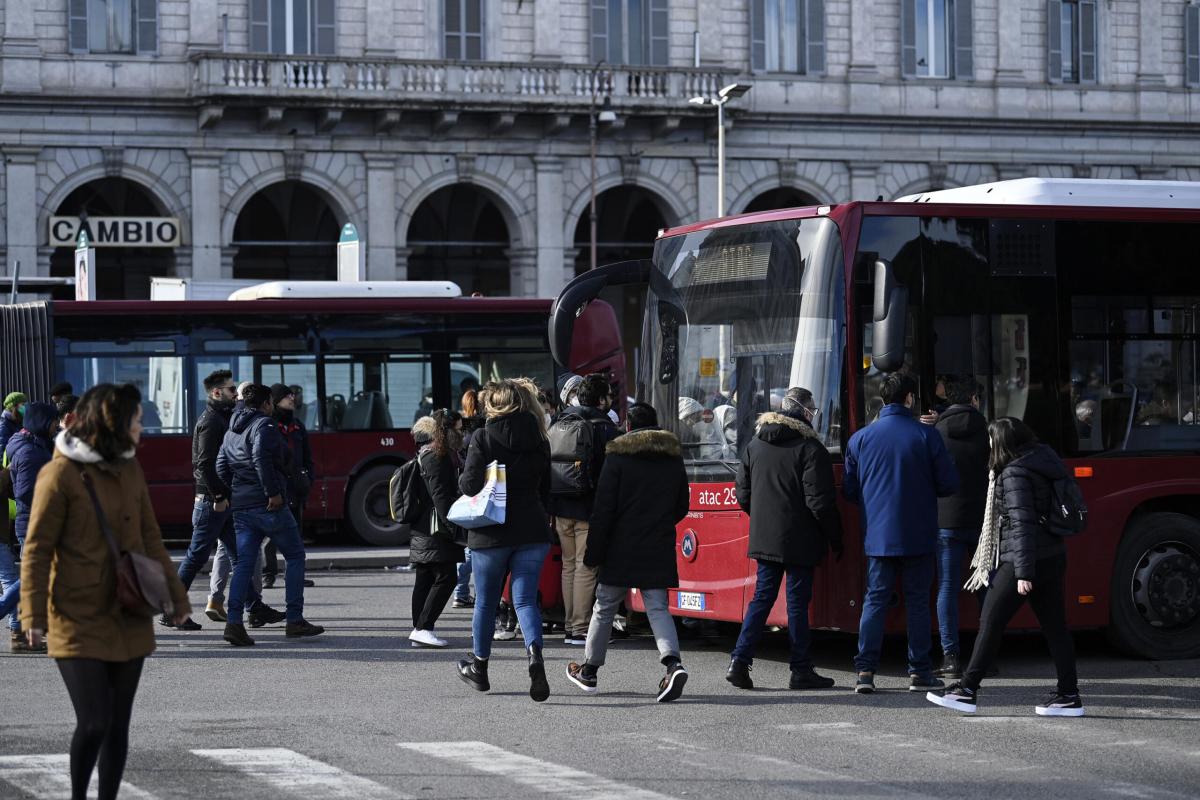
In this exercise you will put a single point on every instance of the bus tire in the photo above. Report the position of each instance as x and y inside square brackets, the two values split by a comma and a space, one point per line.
[367, 509]
[1155, 610]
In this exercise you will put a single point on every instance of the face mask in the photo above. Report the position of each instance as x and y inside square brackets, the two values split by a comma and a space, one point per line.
[21, 409]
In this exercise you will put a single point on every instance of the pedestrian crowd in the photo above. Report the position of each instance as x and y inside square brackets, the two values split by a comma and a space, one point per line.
[934, 491]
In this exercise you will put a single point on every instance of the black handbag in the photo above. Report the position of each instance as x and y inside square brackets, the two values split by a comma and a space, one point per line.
[142, 588]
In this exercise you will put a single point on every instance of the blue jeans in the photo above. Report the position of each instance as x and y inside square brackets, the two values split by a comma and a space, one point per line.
[766, 589]
[280, 527]
[952, 548]
[207, 527]
[463, 590]
[12, 594]
[916, 576]
[525, 563]
[10, 583]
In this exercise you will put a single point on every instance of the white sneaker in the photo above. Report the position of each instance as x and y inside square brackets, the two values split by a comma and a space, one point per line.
[426, 639]
[504, 635]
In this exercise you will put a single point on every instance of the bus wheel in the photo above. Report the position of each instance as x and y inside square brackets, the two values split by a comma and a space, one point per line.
[1156, 588]
[367, 509]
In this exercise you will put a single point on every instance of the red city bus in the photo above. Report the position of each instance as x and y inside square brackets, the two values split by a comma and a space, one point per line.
[1074, 304]
[365, 370]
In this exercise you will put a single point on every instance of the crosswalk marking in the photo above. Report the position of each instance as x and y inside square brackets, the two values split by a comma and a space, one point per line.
[300, 775]
[542, 776]
[48, 777]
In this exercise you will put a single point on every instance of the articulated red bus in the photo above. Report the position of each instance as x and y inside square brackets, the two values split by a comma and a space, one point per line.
[365, 370]
[1075, 303]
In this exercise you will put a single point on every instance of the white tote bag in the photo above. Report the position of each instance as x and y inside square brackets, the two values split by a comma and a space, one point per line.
[486, 508]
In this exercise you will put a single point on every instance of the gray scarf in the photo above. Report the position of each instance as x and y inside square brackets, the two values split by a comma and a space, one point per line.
[987, 554]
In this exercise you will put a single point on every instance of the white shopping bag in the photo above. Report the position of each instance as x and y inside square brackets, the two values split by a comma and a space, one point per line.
[486, 508]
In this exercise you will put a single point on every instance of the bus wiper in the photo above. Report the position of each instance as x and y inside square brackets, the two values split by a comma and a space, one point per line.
[705, 461]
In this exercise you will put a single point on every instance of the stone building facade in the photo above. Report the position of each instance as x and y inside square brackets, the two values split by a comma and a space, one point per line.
[454, 133]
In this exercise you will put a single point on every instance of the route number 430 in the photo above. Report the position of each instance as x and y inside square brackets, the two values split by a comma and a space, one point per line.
[387, 441]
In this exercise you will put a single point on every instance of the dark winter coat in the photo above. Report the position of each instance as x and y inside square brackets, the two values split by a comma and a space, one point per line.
[1026, 492]
[251, 461]
[299, 461]
[441, 479]
[641, 494]
[964, 432]
[785, 484]
[515, 440]
[8, 427]
[603, 432]
[206, 443]
[896, 468]
[30, 449]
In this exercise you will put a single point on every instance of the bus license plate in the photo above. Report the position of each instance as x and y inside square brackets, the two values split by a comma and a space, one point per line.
[691, 601]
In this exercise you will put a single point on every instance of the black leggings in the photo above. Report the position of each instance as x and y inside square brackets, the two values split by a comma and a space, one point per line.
[102, 693]
[1049, 604]
[434, 585]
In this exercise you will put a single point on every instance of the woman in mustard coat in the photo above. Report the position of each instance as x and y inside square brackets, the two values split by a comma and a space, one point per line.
[68, 577]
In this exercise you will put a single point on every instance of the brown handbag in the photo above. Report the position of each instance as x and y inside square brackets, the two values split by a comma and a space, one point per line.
[142, 587]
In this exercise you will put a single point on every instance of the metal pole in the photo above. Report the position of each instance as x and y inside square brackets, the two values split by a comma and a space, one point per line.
[720, 159]
[592, 161]
[16, 278]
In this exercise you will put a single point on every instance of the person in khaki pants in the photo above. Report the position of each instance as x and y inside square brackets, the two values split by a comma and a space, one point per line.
[577, 441]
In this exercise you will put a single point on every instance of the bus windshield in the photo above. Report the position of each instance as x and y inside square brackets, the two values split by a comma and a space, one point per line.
[736, 316]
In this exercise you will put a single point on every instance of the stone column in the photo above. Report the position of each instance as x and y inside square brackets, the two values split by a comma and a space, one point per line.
[204, 27]
[550, 206]
[547, 36]
[706, 187]
[206, 214]
[1010, 66]
[20, 164]
[380, 40]
[862, 38]
[522, 267]
[381, 218]
[22, 52]
[864, 180]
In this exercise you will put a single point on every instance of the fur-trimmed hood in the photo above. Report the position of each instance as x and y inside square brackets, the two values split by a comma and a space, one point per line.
[645, 442]
[773, 426]
[79, 450]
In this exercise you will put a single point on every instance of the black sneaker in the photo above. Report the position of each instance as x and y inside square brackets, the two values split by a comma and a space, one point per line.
[1060, 705]
[950, 668]
[671, 686]
[583, 676]
[268, 581]
[925, 683]
[539, 687]
[190, 624]
[464, 602]
[265, 615]
[809, 680]
[302, 628]
[236, 635]
[165, 621]
[956, 696]
[474, 672]
[865, 683]
[739, 674]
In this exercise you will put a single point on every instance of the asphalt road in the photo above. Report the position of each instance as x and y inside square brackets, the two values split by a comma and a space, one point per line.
[356, 713]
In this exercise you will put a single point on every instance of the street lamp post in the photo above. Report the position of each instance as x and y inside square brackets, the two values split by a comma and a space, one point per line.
[606, 115]
[730, 92]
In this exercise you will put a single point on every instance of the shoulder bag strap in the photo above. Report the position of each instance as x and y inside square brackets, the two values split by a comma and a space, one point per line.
[103, 520]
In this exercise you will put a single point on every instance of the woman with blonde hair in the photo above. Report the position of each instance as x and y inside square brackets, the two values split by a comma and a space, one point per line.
[514, 436]
[98, 646]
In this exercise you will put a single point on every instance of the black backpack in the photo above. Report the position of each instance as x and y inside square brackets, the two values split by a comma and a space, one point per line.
[572, 455]
[408, 496]
[1068, 511]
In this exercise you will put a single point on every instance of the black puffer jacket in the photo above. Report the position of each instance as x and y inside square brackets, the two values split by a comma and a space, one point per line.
[964, 430]
[206, 443]
[1025, 496]
[516, 441]
[251, 461]
[441, 478]
[642, 493]
[785, 484]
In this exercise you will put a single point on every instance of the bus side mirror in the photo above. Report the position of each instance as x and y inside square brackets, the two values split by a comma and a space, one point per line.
[889, 319]
[575, 296]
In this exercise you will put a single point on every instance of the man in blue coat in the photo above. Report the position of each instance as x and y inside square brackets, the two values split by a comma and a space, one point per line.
[896, 469]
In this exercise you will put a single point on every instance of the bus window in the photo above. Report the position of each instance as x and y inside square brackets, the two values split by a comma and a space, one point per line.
[299, 373]
[472, 370]
[151, 366]
[376, 392]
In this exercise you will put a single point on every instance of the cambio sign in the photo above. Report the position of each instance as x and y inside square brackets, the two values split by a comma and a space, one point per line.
[116, 231]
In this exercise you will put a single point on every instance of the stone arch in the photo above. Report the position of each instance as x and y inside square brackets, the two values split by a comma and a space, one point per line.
[333, 193]
[763, 185]
[169, 203]
[517, 216]
[664, 196]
